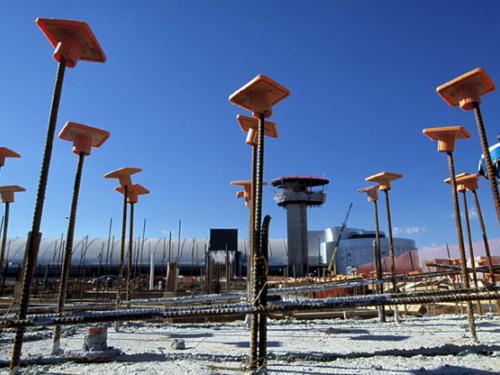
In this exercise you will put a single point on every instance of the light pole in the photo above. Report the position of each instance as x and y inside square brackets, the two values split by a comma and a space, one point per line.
[470, 181]
[384, 180]
[134, 191]
[7, 195]
[258, 96]
[372, 194]
[73, 41]
[466, 91]
[84, 138]
[446, 136]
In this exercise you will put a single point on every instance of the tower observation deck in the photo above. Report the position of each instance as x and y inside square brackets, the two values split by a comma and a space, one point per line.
[295, 194]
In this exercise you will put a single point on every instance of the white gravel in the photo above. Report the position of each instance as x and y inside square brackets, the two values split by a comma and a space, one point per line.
[439, 345]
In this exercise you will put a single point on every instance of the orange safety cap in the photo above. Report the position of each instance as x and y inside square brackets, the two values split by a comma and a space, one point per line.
[259, 95]
[460, 185]
[446, 136]
[470, 181]
[133, 192]
[371, 191]
[383, 179]
[466, 89]
[123, 174]
[7, 153]
[7, 192]
[72, 40]
[251, 124]
[83, 137]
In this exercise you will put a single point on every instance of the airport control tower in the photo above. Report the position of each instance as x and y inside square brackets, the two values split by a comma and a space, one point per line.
[295, 194]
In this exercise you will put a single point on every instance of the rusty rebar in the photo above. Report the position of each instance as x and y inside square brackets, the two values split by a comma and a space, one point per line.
[68, 251]
[256, 279]
[264, 245]
[4, 244]
[130, 249]
[460, 240]
[391, 250]
[34, 236]
[122, 247]
[487, 158]
[486, 244]
[378, 260]
[471, 248]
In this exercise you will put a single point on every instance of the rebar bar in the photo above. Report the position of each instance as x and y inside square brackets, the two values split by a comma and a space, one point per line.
[130, 254]
[460, 240]
[487, 158]
[378, 260]
[264, 244]
[471, 249]
[34, 236]
[5, 225]
[68, 251]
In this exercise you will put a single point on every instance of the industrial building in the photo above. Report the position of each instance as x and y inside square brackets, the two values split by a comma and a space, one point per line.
[355, 248]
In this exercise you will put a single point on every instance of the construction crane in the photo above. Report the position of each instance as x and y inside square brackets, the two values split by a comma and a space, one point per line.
[332, 268]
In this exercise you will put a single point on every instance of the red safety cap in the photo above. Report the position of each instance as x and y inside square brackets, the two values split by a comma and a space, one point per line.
[123, 174]
[133, 192]
[7, 192]
[72, 40]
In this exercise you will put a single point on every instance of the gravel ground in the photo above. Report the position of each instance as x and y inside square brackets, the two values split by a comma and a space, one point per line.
[439, 345]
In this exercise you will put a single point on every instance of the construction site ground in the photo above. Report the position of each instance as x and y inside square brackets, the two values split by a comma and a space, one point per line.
[419, 345]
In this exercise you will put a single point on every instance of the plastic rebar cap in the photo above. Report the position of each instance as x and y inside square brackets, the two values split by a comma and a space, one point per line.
[446, 136]
[383, 179]
[123, 174]
[133, 192]
[371, 192]
[259, 95]
[460, 185]
[466, 89]
[7, 153]
[7, 192]
[250, 125]
[72, 40]
[470, 181]
[84, 137]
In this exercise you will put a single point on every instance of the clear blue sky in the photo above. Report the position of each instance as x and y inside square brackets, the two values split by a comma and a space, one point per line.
[362, 76]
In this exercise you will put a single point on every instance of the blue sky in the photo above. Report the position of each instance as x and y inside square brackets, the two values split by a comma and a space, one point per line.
[362, 76]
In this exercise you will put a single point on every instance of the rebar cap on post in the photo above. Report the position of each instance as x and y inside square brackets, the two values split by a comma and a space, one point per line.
[7, 192]
[250, 126]
[470, 181]
[133, 192]
[371, 192]
[259, 95]
[123, 174]
[383, 179]
[460, 186]
[84, 137]
[446, 136]
[466, 89]
[247, 190]
[72, 40]
[7, 153]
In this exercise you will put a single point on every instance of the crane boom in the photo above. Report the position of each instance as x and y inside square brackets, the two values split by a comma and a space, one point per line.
[331, 263]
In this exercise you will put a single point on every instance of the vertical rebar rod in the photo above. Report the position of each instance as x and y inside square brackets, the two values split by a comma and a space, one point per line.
[391, 251]
[264, 244]
[486, 244]
[471, 248]
[251, 215]
[34, 236]
[121, 270]
[68, 251]
[460, 239]
[227, 269]
[5, 225]
[256, 279]
[487, 158]
[130, 249]
[378, 261]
